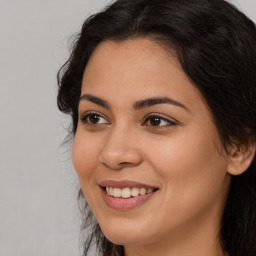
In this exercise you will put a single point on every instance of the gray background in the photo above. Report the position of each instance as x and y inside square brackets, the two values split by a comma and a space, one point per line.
[38, 186]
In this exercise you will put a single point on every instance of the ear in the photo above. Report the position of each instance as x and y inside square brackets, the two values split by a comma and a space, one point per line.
[240, 158]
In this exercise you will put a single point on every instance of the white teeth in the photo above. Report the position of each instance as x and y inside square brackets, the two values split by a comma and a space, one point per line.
[117, 192]
[143, 191]
[150, 190]
[135, 191]
[111, 191]
[127, 192]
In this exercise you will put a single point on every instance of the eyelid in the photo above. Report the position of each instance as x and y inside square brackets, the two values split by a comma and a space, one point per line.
[170, 120]
[87, 113]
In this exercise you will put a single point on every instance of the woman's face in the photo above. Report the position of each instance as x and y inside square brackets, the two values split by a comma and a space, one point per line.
[145, 128]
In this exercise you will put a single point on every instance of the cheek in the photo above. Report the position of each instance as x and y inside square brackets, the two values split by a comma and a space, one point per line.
[191, 167]
[85, 156]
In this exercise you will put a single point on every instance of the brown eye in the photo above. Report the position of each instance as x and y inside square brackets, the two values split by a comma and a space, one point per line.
[158, 121]
[93, 119]
[154, 121]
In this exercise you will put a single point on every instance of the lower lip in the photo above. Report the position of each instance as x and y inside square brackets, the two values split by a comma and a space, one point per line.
[119, 203]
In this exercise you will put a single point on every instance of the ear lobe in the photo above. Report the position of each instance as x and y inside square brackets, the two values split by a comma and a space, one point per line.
[240, 158]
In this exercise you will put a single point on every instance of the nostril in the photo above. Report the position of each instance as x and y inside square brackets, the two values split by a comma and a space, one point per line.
[125, 163]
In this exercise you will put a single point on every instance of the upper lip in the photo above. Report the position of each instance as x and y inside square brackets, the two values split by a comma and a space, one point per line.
[125, 184]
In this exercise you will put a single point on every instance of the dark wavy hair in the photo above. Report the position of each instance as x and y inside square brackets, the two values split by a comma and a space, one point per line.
[216, 46]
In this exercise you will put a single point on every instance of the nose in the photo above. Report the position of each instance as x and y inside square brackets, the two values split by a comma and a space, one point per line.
[120, 150]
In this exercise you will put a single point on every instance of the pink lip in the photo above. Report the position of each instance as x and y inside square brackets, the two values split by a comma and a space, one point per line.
[118, 203]
[124, 184]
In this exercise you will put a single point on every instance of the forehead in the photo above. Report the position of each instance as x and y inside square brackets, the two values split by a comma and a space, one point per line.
[116, 59]
[131, 48]
[136, 69]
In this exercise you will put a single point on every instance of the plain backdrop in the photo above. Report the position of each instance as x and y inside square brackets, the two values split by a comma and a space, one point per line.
[38, 186]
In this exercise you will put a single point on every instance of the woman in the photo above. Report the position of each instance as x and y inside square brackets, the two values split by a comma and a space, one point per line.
[162, 97]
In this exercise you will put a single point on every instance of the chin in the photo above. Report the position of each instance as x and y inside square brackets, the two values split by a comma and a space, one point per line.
[119, 239]
[122, 236]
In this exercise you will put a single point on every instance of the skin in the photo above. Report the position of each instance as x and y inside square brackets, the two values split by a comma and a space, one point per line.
[185, 159]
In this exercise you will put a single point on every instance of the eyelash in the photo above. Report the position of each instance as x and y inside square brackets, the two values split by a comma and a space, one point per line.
[84, 119]
[160, 118]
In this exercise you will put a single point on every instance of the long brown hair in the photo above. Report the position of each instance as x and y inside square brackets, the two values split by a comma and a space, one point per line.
[216, 46]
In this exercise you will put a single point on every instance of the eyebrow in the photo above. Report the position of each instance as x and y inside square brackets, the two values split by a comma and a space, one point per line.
[95, 100]
[137, 105]
[159, 100]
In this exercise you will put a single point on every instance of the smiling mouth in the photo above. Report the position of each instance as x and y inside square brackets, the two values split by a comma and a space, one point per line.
[128, 192]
